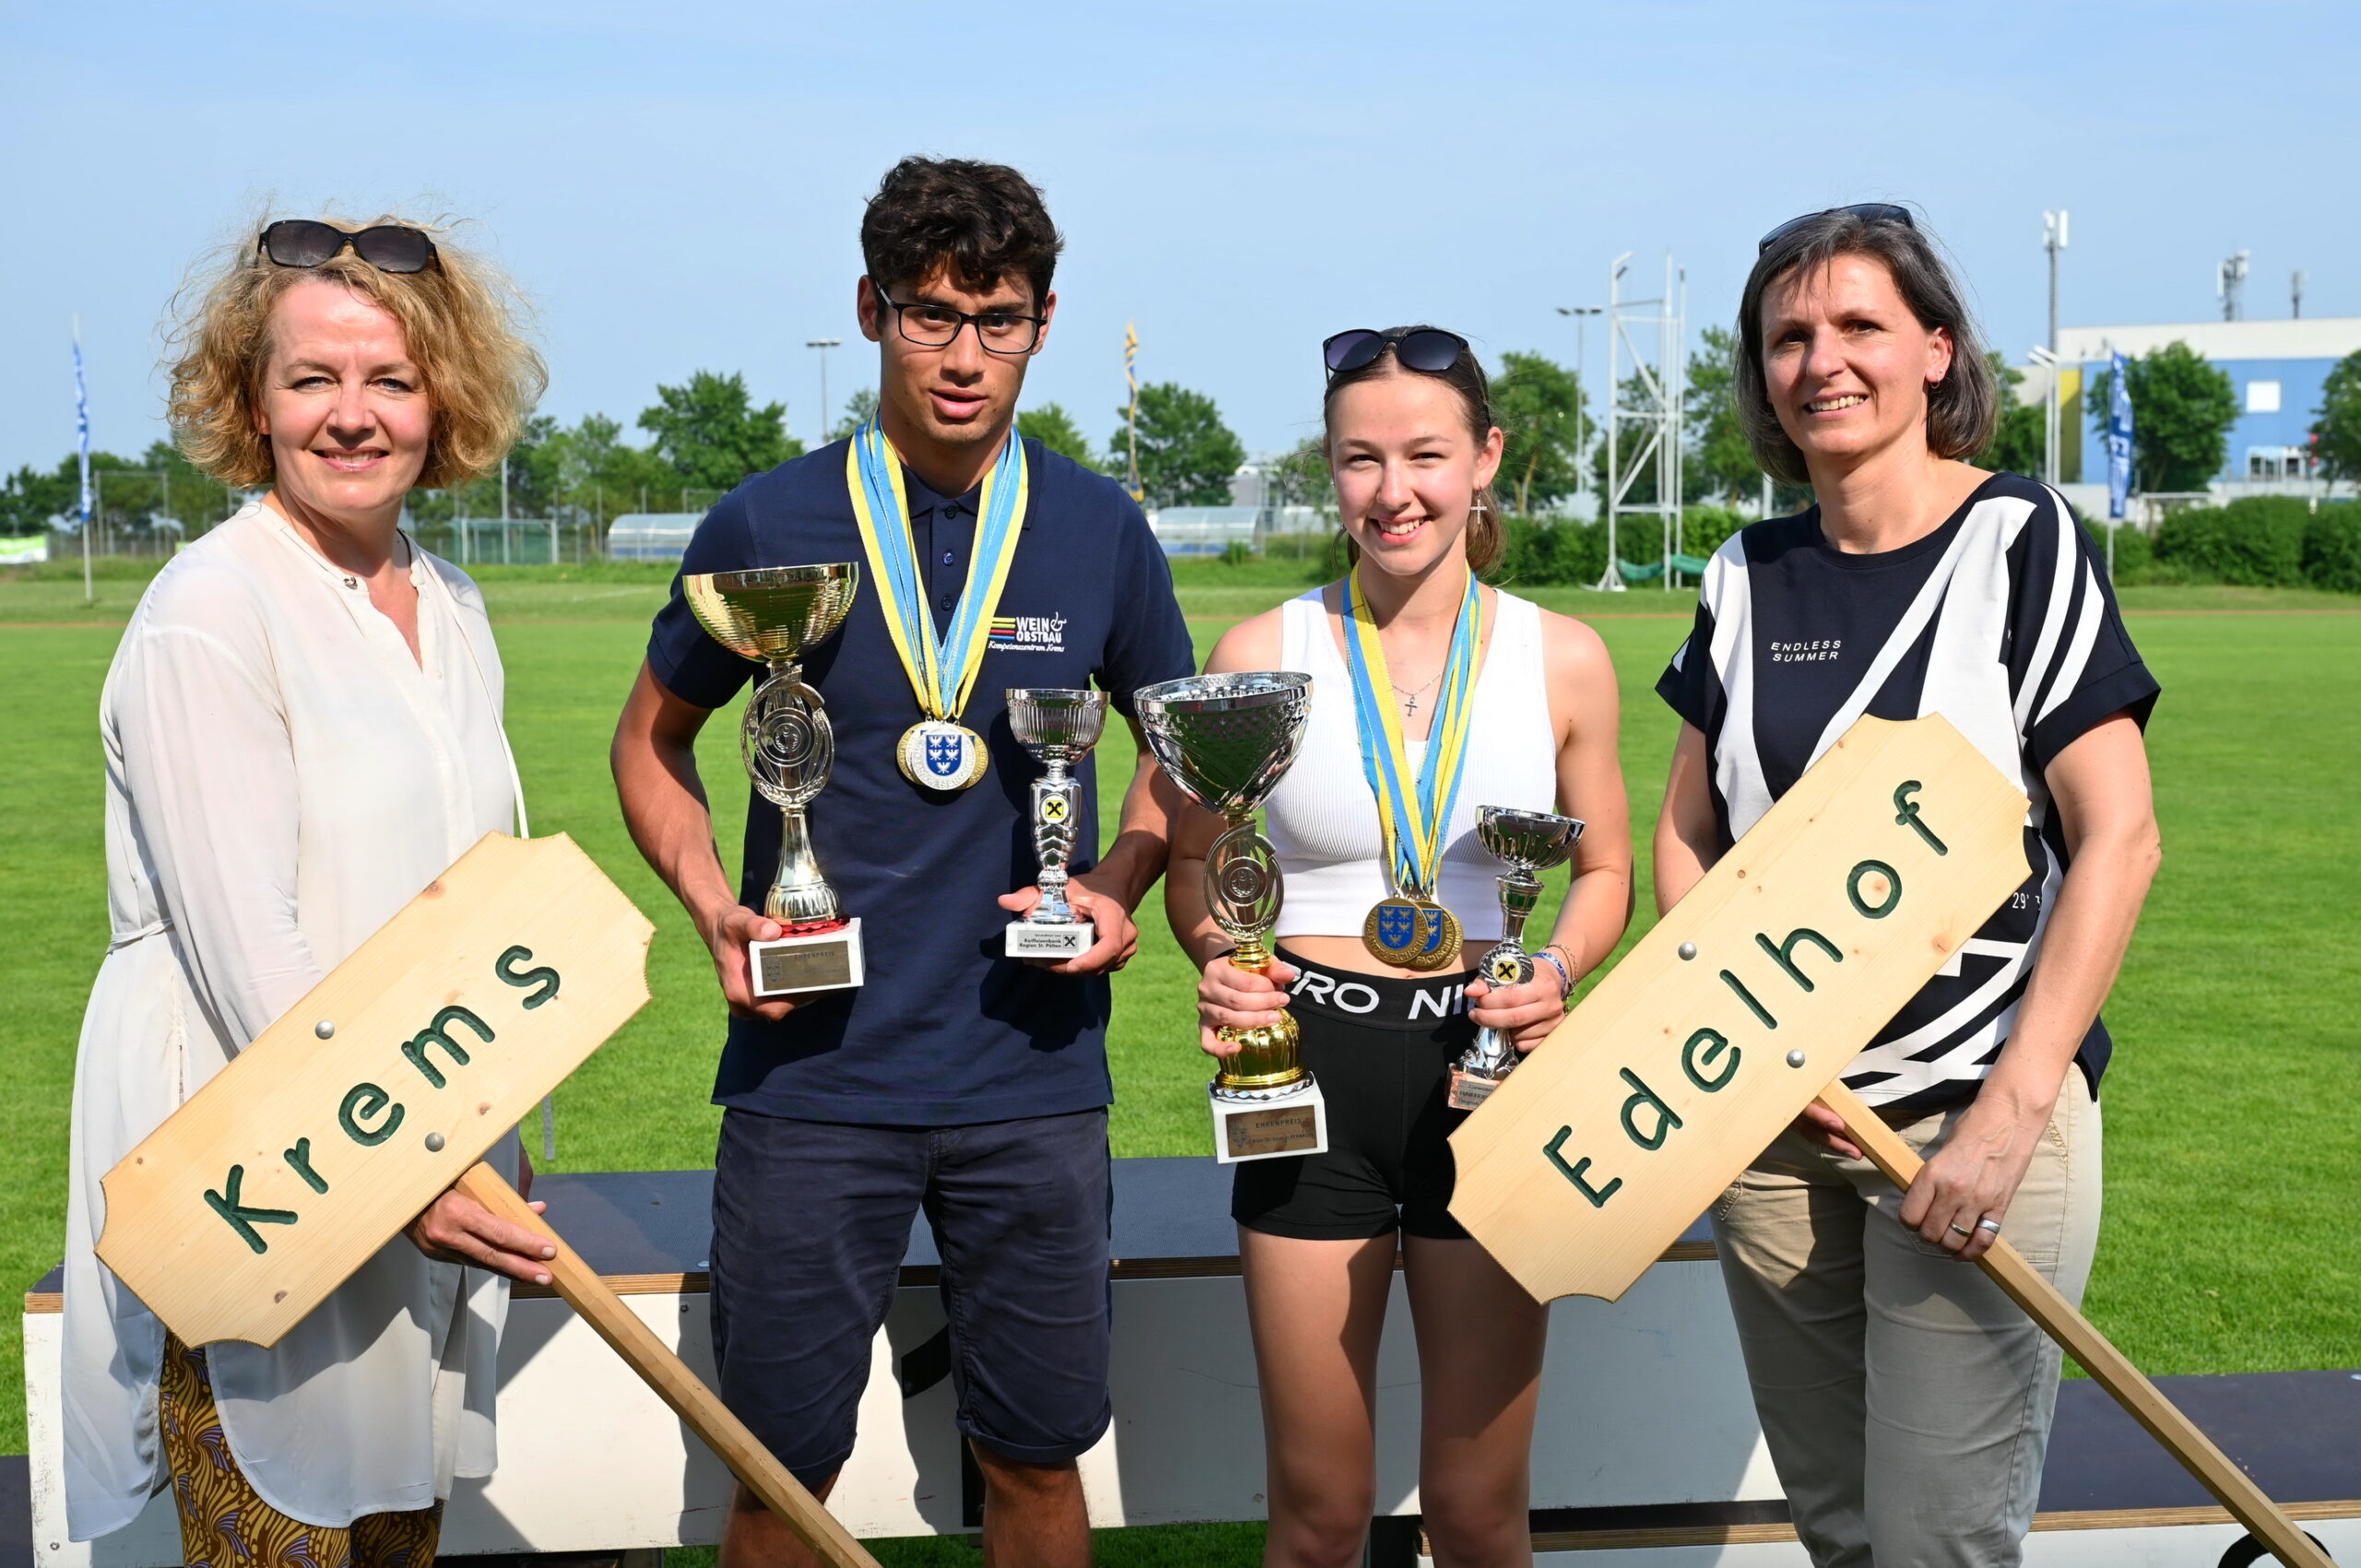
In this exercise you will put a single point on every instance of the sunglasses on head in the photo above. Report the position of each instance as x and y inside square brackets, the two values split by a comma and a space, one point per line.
[388, 247]
[1867, 211]
[1430, 350]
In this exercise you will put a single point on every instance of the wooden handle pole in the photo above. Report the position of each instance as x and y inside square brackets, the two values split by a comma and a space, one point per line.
[674, 1383]
[2107, 1366]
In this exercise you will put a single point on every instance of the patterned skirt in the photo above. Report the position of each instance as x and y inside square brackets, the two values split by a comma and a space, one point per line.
[225, 1525]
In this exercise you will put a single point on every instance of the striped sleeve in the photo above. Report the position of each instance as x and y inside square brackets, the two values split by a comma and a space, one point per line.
[1689, 684]
[2071, 663]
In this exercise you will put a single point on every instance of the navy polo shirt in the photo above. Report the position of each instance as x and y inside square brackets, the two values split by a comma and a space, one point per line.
[946, 1031]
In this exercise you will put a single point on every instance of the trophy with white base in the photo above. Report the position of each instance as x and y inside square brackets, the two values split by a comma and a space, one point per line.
[776, 613]
[1532, 842]
[1225, 740]
[1058, 725]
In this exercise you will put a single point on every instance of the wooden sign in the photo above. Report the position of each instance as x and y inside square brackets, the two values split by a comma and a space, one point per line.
[1737, 1009]
[391, 1077]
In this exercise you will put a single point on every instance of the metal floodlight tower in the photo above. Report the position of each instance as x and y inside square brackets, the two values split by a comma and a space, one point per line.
[2053, 240]
[2229, 286]
[1653, 418]
[824, 345]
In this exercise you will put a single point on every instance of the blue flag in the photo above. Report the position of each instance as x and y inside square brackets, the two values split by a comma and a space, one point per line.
[2118, 437]
[82, 422]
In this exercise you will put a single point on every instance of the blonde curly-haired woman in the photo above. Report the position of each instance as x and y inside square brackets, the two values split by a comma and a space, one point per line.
[301, 728]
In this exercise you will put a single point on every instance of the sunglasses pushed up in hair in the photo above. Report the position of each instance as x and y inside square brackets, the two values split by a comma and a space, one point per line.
[1867, 211]
[388, 247]
[1430, 350]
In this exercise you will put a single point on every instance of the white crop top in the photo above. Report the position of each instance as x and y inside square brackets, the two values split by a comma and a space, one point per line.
[1323, 819]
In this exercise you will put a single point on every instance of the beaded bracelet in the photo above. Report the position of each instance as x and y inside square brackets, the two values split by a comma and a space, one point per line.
[1565, 975]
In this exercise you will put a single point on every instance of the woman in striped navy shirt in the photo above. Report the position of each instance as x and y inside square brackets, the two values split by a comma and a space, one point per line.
[1905, 1400]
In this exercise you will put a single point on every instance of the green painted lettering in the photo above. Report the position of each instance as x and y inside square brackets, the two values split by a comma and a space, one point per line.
[1597, 1195]
[1907, 815]
[298, 1160]
[242, 1218]
[1893, 888]
[365, 1100]
[1693, 1061]
[543, 977]
[1665, 1118]
[437, 1033]
[1783, 953]
[1748, 997]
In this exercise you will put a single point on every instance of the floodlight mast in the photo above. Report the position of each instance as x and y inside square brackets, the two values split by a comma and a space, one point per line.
[824, 345]
[1654, 418]
[2053, 240]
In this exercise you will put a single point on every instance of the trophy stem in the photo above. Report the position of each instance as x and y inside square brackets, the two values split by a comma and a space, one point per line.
[1520, 894]
[798, 895]
[1268, 1058]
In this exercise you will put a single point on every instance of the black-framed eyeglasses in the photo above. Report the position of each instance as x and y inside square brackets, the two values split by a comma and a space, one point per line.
[306, 242]
[1430, 351]
[1867, 211]
[937, 327]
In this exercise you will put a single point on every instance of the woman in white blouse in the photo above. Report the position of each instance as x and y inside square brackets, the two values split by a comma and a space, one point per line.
[301, 728]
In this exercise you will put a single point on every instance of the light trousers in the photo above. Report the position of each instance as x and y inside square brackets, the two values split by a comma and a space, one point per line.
[1905, 1400]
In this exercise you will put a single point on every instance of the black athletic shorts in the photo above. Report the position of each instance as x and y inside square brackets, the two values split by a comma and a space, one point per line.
[809, 1223]
[1382, 1050]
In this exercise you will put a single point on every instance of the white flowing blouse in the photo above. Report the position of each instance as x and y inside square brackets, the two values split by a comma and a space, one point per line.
[282, 777]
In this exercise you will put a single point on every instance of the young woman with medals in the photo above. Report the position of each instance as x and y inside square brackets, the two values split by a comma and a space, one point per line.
[1432, 695]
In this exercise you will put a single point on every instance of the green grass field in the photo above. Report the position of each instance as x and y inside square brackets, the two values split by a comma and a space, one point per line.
[2234, 1149]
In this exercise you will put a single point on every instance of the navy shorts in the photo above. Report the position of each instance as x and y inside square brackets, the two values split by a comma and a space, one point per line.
[809, 1223]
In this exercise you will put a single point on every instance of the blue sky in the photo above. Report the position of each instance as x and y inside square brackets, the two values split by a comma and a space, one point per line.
[678, 186]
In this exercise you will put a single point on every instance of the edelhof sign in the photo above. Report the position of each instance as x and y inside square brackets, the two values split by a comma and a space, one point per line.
[1737, 1009]
[391, 1077]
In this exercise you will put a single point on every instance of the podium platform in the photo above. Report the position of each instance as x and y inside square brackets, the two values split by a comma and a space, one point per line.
[1647, 1442]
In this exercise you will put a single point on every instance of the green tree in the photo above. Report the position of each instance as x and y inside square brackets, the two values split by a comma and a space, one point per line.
[712, 433]
[1720, 461]
[1054, 428]
[860, 409]
[2182, 408]
[2336, 423]
[2016, 443]
[29, 498]
[1187, 455]
[1301, 477]
[1538, 404]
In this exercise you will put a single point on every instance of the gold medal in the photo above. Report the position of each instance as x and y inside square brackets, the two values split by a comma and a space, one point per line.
[1412, 934]
[941, 754]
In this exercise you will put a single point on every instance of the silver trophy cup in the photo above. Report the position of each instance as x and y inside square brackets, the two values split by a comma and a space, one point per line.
[1531, 842]
[1059, 726]
[1226, 741]
[776, 614]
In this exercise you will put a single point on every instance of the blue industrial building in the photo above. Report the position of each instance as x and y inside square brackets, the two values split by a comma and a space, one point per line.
[2277, 368]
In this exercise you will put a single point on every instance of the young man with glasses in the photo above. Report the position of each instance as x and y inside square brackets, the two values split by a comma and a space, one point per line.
[954, 1079]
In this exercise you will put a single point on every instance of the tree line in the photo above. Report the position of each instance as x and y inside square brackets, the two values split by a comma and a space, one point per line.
[707, 434]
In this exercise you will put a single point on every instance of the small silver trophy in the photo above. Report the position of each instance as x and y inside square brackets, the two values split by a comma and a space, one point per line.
[1059, 726]
[776, 614]
[1225, 740]
[1532, 842]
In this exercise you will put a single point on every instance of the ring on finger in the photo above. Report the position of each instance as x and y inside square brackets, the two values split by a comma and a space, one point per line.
[1989, 1225]
[1961, 1231]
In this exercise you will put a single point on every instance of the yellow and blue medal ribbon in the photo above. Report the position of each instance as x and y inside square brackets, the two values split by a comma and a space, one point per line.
[1413, 815]
[938, 752]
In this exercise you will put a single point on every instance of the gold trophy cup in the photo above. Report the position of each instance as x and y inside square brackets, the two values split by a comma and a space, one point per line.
[776, 614]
